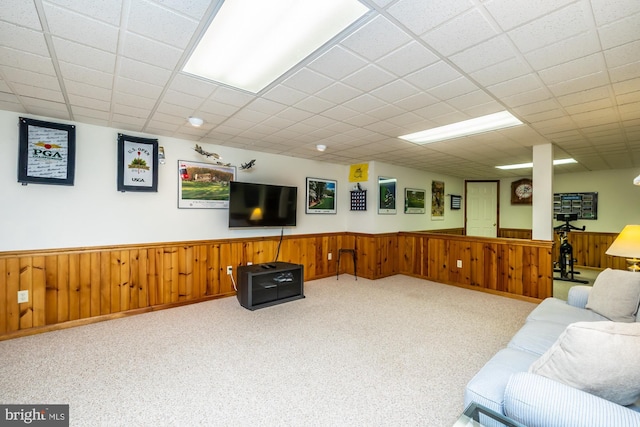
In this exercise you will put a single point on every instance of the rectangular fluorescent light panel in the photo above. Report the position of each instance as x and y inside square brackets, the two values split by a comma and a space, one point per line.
[530, 165]
[250, 43]
[495, 121]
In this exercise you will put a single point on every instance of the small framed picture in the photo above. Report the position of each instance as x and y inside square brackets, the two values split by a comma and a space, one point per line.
[137, 164]
[386, 195]
[321, 196]
[414, 201]
[47, 152]
[204, 185]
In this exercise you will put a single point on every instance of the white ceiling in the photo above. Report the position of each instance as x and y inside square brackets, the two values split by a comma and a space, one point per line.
[569, 69]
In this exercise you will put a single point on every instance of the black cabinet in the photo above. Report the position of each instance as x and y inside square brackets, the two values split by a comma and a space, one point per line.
[263, 285]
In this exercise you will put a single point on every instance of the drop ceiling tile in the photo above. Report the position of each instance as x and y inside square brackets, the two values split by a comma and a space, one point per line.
[493, 51]
[73, 26]
[284, 95]
[92, 103]
[506, 70]
[460, 33]
[605, 14]
[579, 84]
[108, 11]
[157, 23]
[512, 13]
[338, 93]
[26, 61]
[136, 70]
[625, 72]
[337, 63]
[573, 69]
[314, 104]
[551, 28]
[586, 96]
[24, 39]
[192, 8]
[418, 100]
[266, 106]
[581, 45]
[124, 98]
[433, 75]
[140, 113]
[368, 78]
[518, 85]
[134, 87]
[183, 99]
[307, 81]
[89, 91]
[176, 110]
[231, 96]
[86, 75]
[375, 39]
[474, 99]
[22, 13]
[453, 88]
[394, 91]
[102, 116]
[150, 51]
[407, 59]
[85, 56]
[620, 32]
[623, 55]
[421, 16]
[526, 98]
[26, 77]
[190, 85]
[364, 103]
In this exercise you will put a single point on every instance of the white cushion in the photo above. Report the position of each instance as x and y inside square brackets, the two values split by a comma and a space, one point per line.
[600, 358]
[616, 295]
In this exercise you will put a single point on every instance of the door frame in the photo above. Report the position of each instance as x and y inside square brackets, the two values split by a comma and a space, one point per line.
[497, 203]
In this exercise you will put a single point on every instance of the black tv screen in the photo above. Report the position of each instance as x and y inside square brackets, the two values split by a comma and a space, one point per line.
[262, 205]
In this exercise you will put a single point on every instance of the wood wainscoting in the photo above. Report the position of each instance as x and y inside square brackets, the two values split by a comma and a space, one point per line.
[71, 287]
[589, 250]
[510, 266]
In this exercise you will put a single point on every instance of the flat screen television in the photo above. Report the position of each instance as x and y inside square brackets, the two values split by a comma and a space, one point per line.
[262, 205]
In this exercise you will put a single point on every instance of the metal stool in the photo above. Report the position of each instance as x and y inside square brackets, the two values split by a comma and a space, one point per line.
[354, 256]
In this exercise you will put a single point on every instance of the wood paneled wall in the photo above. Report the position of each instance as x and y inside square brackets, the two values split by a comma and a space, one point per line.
[589, 250]
[517, 267]
[69, 287]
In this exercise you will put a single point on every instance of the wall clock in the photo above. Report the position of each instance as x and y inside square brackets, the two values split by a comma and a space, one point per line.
[521, 192]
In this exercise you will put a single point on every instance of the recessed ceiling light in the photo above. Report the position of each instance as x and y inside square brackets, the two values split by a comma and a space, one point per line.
[321, 147]
[250, 43]
[196, 121]
[500, 120]
[530, 165]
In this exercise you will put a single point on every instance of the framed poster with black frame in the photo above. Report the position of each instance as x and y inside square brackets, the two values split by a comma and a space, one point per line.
[137, 163]
[47, 152]
[386, 195]
[321, 196]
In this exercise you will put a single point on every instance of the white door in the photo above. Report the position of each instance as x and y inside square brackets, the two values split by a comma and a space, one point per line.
[482, 208]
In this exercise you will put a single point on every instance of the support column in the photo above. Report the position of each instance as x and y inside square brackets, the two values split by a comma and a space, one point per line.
[542, 221]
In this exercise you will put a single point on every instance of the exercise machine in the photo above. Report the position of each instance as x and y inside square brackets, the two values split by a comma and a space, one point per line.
[564, 265]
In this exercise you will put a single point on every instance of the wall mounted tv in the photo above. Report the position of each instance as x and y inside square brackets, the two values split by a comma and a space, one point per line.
[262, 205]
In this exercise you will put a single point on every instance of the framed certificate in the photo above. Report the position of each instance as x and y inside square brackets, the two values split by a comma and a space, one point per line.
[137, 164]
[47, 153]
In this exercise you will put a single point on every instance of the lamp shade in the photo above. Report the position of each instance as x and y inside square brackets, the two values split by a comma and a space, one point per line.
[627, 244]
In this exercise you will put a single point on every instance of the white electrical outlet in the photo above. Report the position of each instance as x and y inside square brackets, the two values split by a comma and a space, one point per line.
[329, 256]
[229, 270]
[23, 296]
[459, 263]
[249, 263]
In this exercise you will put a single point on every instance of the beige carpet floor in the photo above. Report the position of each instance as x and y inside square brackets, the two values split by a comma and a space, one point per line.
[391, 352]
